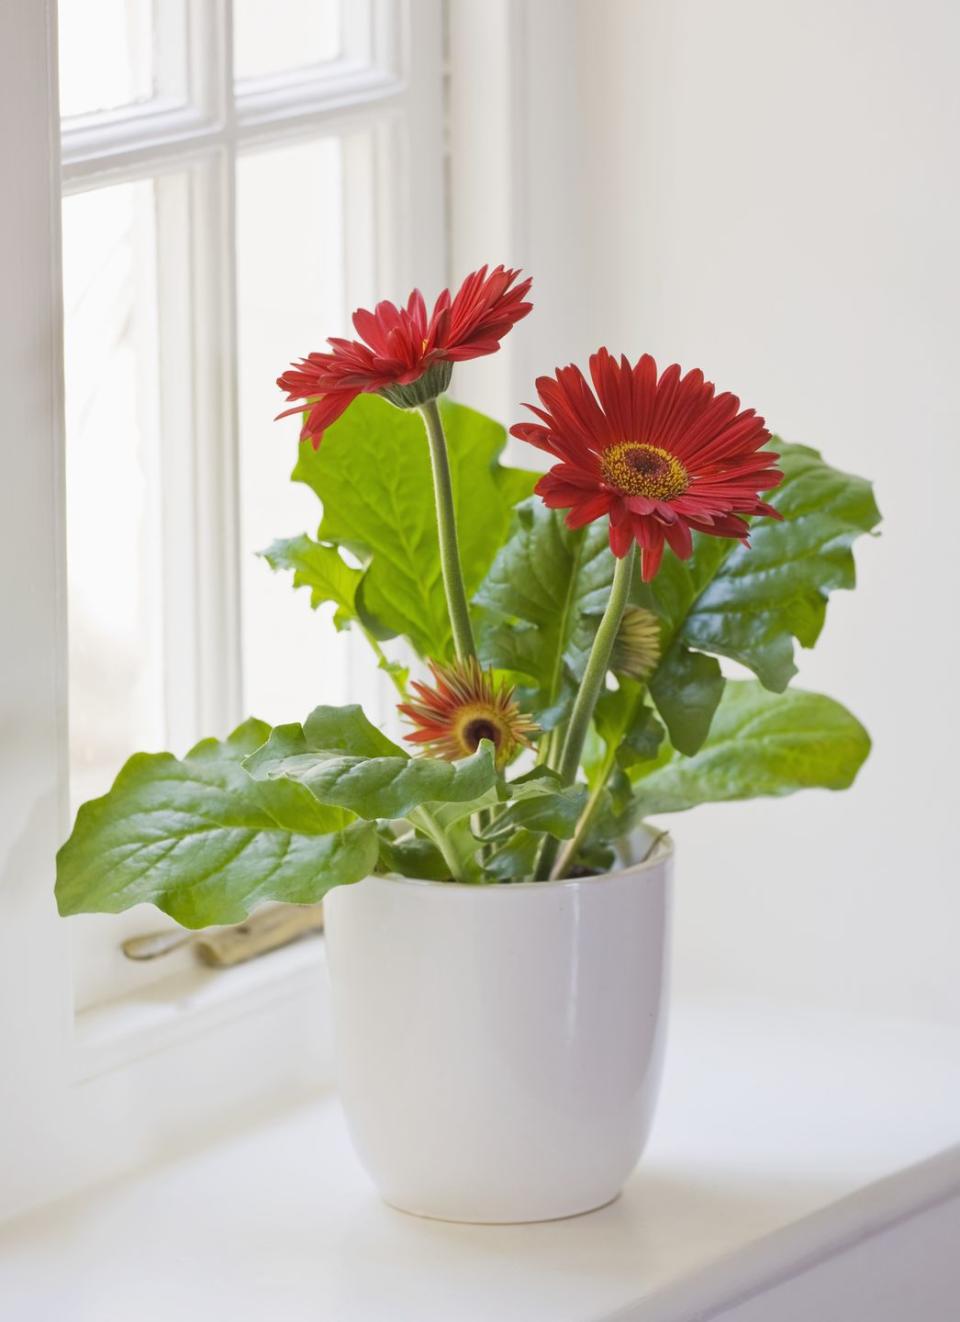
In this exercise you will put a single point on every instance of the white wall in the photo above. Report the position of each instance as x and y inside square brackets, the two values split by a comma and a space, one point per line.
[769, 190]
[776, 198]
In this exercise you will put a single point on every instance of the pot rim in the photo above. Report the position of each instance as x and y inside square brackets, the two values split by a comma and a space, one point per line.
[661, 851]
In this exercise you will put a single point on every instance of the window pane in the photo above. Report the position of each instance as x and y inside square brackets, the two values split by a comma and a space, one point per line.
[270, 36]
[290, 291]
[116, 53]
[113, 485]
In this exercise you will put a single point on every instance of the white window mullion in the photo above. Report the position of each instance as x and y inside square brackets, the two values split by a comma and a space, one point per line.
[372, 257]
[198, 356]
[217, 512]
[202, 598]
[197, 458]
[216, 458]
[177, 536]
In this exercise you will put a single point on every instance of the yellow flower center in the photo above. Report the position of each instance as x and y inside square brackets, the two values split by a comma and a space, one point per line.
[644, 470]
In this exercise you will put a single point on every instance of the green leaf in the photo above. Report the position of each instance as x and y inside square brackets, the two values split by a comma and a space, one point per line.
[515, 859]
[751, 603]
[537, 799]
[540, 588]
[447, 816]
[244, 740]
[205, 842]
[347, 730]
[320, 568]
[398, 673]
[374, 782]
[330, 730]
[412, 856]
[540, 802]
[625, 734]
[626, 724]
[372, 473]
[687, 686]
[760, 744]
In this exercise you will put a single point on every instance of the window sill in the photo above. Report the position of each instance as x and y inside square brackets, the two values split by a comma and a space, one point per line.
[794, 1152]
[173, 1066]
[193, 1001]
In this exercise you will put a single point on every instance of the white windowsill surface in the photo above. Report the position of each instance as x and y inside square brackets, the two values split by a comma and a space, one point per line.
[783, 1139]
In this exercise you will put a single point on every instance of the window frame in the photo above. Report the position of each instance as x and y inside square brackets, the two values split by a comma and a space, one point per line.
[85, 1097]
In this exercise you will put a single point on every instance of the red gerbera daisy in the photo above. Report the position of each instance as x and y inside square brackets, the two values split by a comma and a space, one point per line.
[464, 706]
[659, 457]
[403, 353]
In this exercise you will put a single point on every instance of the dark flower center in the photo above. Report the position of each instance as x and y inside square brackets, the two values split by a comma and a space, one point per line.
[644, 470]
[478, 729]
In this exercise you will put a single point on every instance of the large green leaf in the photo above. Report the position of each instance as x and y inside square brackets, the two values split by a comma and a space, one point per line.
[761, 744]
[205, 842]
[750, 603]
[357, 768]
[372, 473]
[320, 568]
[541, 588]
[244, 740]
[347, 730]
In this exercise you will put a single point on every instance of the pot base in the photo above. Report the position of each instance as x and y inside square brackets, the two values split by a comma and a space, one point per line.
[538, 1220]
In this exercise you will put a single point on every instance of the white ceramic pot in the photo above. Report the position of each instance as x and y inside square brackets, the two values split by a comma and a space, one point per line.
[499, 1047]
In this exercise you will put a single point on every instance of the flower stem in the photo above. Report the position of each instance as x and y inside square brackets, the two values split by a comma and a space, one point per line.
[590, 688]
[596, 671]
[447, 534]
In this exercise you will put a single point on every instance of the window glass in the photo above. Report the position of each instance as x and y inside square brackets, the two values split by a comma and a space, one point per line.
[113, 482]
[290, 296]
[271, 36]
[116, 53]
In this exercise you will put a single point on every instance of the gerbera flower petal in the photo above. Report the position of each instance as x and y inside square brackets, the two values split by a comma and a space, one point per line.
[621, 537]
[652, 556]
[679, 538]
[398, 346]
[417, 310]
[324, 411]
[486, 307]
[585, 511]
[658, 456]
[557, 494]
[371, 327]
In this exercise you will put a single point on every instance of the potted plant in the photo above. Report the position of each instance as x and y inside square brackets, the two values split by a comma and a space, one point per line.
[496, 904]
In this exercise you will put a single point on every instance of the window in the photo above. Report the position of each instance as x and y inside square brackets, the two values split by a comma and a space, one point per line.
[227, 201]
[213, 226]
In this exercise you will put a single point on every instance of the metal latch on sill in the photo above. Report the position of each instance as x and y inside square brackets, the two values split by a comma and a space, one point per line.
[223, 946]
